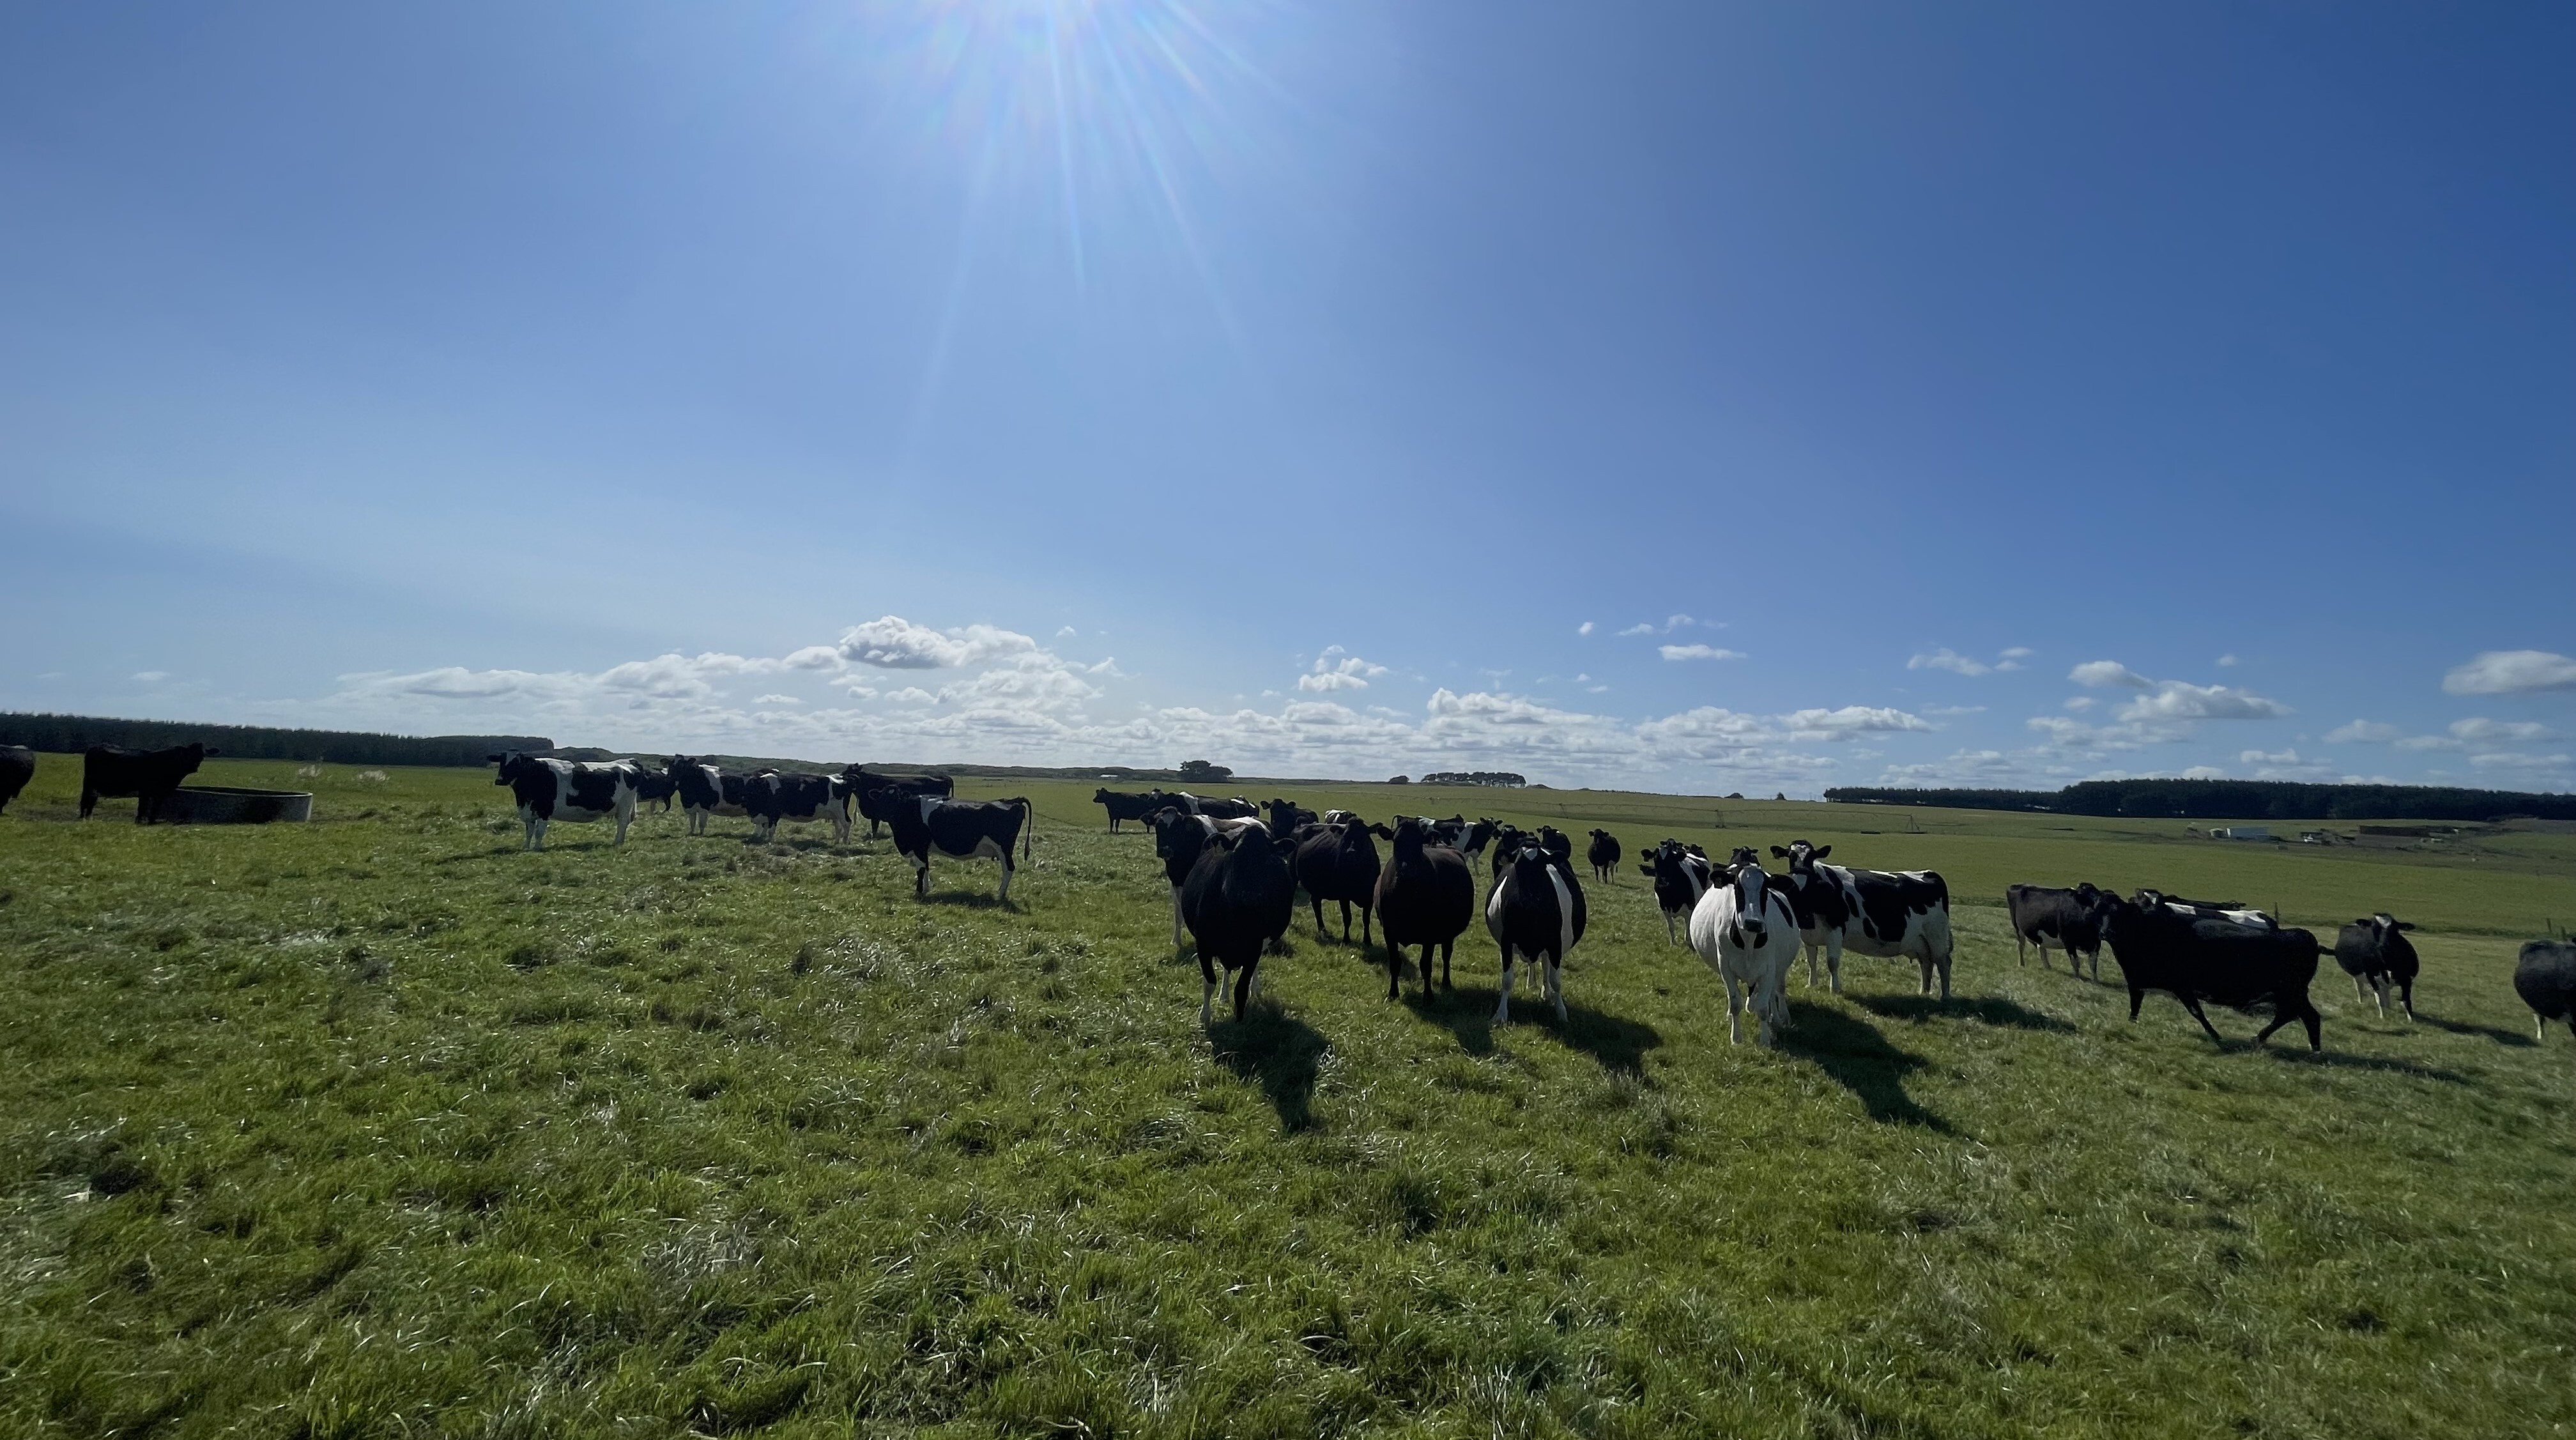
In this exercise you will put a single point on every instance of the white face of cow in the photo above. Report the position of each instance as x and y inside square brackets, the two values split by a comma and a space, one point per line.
[1751, 900]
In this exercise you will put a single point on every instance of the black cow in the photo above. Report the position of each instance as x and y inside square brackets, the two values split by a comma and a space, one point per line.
[1537, 912]
[150, 776]
[775, 795]
[1286, 816]
[1426, 894]
[2544, 975]
[549, 790]
[1604, 855]
[17, 767]
[2195, 959]
[705, 791]
[1238, 901]
[960, 830]
[1507, 842]
[1179, 837]
[1339, 862]
[1237, 808]
[655, 790]
[1869, 912]
[2071, 920]
[1681, 874]
[867, 785]
[1126, 805]
[2376, 949]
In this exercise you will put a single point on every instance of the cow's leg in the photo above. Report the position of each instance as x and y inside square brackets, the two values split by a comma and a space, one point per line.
[1448, 947]
[1669, 937]
[1834, 958]
[2314, 1024]
[1734, 1010]
[1503, 1007]
[1252, 981]
[537, 833]
[624, 818]
[1394, 961]
[2136, 998]
[1346, 922]
[2406, 996]
[921, 877]
[2379, 993]
[1944, 963]
[1367, 910]
[1176, 917]
[1207, 992]
[1814, 976]
[2021, 951]
[89, 801]
[2192, 1004]
[1556, 985]
[1007, 872]
[1243, 988]
[1318, 902]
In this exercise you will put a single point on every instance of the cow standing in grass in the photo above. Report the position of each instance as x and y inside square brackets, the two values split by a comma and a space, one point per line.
[705, 791]
[1238, 902]
[17, 767]
[1745, 930]
[2071, 920]
[1124, 805]
[776, 795]
[1426, 894]
[150, 776]
[548, 790]
[1896, 913]
[2544, 975]
[1682, 875]
[1179, 839]
[1339, 862]
[1603, 855]
[1536, 912]
[880, 795]
[960, 829]
[2375, 949]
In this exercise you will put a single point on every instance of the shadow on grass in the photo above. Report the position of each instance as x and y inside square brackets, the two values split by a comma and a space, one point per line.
[2300, 1054]
[2462, 1027]
[1278, 1052]
[1615, 1042]
[1991, 1011]
[1860, 1060]
[971, 900]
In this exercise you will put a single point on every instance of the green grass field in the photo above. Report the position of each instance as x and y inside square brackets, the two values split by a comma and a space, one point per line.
[377, 1126]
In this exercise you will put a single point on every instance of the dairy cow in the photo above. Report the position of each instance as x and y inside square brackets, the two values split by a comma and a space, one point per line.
[150, 776]
[1746, 931]
[2375, 949]
[2071, 920]
[548, 790]
[1426, 894]
[1682, 875]
[1603, 855]
[17, 767]
[1179, 838]
[2544, 975]
[1897, 913]
[2196, 958]
[1536, 913]
[1339, 863]
[775, 795]
[1238, 900]
[1124, 805]
[868, 786]
[960, 830]
[705, 791]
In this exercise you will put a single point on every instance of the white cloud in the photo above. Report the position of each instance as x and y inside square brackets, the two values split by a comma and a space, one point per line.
[2204, 772]
[776, 700]
[1585, 628]
[2511, 672]
[1697, 652]
[2101, 673]
[1338, 669]
[1850, 720]
[2226, 660]
[2508, 760]
[152, 677]
[2363, 731]
[1066, 632]
[1947, 659]
[2080, 703]
[894, 643]
[913, 695]
[2478, 730]
[2428, 742]
[1640, 629]
[1955, 710]
[2180, 700]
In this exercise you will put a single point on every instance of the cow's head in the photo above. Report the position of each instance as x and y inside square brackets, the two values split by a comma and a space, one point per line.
[1178, 834]
[511, 764]
[2383, 925]
[1100, 796]
[1751, 883]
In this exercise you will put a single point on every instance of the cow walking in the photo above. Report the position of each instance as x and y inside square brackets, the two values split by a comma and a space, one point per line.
[1238, 900]
[1536, 913]
[2375, 949]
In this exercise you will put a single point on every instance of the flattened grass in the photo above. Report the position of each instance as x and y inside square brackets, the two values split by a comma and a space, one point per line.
[380, 1127]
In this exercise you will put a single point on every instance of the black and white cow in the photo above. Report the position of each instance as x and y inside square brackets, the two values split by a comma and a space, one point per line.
[705, 790]
[1426, 894]
[1179, 837]
[1286, 816]
[960, 830]
[1238, 900]
[2235, 912]
[655, 790]
[1603, 854]
[1125, 805]
[2071, 920]
[548, 790]
[1237, 808]
[2544, 975]
[150, 776]
[17, 767]
[2215, 959]
[1536, 913]
[775, 795]
[1746, 930]
[2376, 949]
[868, 785]
[1681, 874]
[1869, 912]
[1339, 862]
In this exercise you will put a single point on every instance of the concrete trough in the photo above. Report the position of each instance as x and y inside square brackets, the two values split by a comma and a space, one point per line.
[232, 805]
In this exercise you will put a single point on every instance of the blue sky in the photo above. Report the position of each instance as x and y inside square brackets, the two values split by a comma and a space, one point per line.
[1694, 397]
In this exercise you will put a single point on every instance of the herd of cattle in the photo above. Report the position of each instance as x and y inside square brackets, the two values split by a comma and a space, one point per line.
[1235, 870]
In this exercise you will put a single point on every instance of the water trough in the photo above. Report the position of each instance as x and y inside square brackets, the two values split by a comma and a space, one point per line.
[233, 805]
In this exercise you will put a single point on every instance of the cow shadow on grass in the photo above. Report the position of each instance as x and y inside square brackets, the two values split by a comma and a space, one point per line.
[2300, 1054]
[1278, 1052]
[971, 900]
[1614, 1042]
[1993, 1010]
[2463, 1027]
[1861, 1060]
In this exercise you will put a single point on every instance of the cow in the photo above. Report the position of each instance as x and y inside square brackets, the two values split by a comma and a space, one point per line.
[1126, 805]
[1237, 808]
[867, 784]
[2544, 975]
[1746, 931]
[1682, 875]
[1238, 900]
[1868, 912]
[1287, 816]
[1179, 836]
[1426, 894]
[17, 767]
[705, 791]
[959, 829]
[2216, 959]
[548, 790]
[1536, 912]
[2376, 949]
[655, 790]
[1603, 855]
[1336, 817]
[775, 795]
[1339, 862]
[2235, 912]
[150, 776]
[2071, 920]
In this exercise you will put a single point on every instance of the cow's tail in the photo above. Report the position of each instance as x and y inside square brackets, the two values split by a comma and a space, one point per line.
[1028, 828]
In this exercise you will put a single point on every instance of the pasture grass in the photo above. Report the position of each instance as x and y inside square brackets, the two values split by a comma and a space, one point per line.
[378, 1126]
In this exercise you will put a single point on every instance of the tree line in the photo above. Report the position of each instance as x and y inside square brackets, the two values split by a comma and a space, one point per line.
[68, 733]
[2234, 800]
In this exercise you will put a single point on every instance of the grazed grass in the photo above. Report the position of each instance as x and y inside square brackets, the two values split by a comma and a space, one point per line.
[378, 1126]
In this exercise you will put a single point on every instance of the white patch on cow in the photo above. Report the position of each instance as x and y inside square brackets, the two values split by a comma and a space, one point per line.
[928, 804]
[1564, 914]
[985, 849]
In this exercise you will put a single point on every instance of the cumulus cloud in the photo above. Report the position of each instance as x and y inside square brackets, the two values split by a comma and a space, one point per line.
[2512, 672]
[2477, 730]
[2514, 761]
[2101, 673]
[2011, 659]
[1947, 659]
[776, 700]
[2363, 731]
[1638, 629]
[1850, 720]
[1585, 628]
[1697, 652]
[2181, 700]
[2226, 661]
[1338, 669]
[894, 643]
